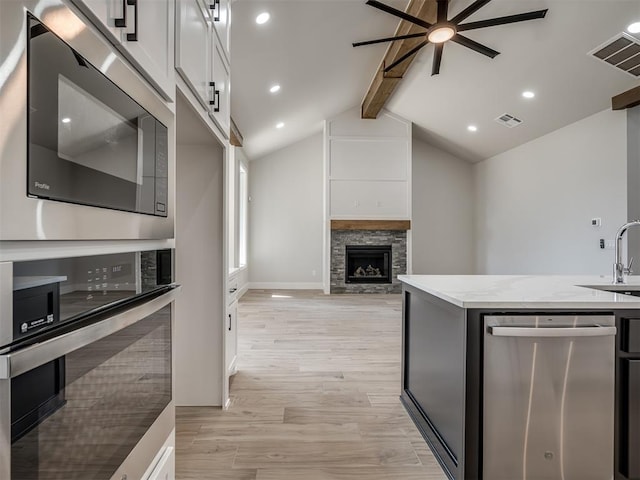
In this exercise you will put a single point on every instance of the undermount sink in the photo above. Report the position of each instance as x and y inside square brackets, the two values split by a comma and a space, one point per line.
[624, 289]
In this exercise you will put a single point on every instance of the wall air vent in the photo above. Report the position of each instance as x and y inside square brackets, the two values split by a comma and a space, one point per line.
[508, 120]
[621, 52]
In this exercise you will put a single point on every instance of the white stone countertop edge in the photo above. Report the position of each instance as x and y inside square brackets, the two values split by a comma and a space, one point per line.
[527, 291]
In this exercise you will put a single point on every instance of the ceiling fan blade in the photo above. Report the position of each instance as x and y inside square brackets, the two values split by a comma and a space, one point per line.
[473, 45]
[406, 55]
[389, 39]
[443, 7]
[398, 13]
[470, 10]
[437, 59]
[492, 22]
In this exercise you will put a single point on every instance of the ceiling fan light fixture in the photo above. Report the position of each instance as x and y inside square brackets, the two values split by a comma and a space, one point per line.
[440, 33]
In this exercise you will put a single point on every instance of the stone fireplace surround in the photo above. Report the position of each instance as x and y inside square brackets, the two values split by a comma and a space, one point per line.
[364, 232]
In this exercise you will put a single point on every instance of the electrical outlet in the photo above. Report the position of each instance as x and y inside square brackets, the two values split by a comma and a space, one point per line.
[609, 244]
[596, 222]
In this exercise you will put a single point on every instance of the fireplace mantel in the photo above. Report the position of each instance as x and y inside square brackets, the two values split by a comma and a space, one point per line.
[370, 224]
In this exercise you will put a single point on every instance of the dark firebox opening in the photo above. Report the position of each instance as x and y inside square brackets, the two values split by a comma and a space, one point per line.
[368, 264]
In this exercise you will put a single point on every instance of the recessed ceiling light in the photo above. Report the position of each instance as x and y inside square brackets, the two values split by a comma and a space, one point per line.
[280, 125]
[634, 28]
[274, 88]
[528, 94]
[66, 120]
[262, 18]
[472, 128]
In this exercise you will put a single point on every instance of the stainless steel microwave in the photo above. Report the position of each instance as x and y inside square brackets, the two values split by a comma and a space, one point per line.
[87, 149]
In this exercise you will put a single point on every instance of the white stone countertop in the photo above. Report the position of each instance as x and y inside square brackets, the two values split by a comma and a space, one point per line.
[527, 291]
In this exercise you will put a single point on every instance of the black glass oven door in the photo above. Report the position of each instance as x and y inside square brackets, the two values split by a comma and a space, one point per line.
[100, 400]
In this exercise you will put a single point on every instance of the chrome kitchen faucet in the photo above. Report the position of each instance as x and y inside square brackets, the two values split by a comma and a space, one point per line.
[619, 270]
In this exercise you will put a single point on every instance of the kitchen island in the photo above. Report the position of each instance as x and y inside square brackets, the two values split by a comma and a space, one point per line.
[524, 377]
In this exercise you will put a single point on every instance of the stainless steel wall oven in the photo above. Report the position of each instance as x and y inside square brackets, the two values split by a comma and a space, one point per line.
[85, 365]
[88, 145]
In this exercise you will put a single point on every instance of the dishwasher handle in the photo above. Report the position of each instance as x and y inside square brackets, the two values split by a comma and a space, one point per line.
[552, 332]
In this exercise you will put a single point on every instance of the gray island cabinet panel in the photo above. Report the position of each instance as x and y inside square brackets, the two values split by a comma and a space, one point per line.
[442, 375]
[439, 387]
[628, 396]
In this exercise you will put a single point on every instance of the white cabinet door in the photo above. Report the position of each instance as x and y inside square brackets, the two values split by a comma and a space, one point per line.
[149, 39]
[143, 31]
[220, 84]
[231, 338]
[107, 15]
[221, 17]
[193, 38]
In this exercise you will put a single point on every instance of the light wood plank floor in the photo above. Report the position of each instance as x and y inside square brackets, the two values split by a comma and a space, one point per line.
[315, 397]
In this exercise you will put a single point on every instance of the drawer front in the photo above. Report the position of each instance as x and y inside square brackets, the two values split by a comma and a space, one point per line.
[631, 335]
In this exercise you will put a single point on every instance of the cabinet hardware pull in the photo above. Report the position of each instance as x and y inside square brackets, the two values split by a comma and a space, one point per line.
[216, 14]
[122, 22]
[216, 97]
[229, 322]
[133, 37]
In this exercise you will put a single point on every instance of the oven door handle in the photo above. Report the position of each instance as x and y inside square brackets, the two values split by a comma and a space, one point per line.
[21, 361]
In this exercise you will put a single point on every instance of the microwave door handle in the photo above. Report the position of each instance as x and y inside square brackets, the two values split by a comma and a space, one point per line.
[553, 332]
[21, 361]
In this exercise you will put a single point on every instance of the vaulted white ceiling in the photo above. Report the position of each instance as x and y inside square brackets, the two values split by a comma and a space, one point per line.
[306, 48]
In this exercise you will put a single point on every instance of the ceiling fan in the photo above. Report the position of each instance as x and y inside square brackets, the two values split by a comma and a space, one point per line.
[444, 30]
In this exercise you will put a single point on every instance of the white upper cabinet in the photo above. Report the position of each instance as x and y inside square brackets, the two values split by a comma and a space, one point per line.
[220, 84]
[149, 37]
[143, 30]
[221, 22]
[192, 49]
[201, 62]
[220, 16]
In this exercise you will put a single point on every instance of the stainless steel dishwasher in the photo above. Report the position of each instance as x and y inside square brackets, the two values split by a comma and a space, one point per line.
[548, 401]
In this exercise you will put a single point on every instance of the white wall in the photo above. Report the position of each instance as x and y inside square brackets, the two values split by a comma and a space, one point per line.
[199, 266]
[443, 224]
[368, 166]
[534, 203]
[285, 217]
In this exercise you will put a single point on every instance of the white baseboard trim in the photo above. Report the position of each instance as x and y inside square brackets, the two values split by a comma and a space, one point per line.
[285, 285]
[242, 290]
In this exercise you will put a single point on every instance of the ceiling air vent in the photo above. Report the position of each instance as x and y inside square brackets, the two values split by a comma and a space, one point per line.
[621, 52]
[508, 120]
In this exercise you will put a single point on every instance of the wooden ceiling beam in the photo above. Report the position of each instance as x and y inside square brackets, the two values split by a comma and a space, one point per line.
[383, 84]
[235, 137]
[627, 99]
